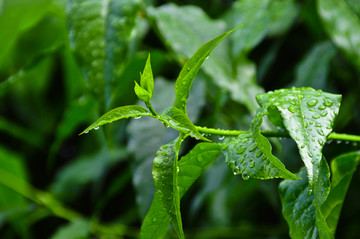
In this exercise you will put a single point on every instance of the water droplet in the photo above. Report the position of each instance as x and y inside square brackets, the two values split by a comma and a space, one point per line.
[235, 173]
[354, 144]
[320, 132]
[329, 141]
[241, 150]
[291, 109]
[310, 154]
[207, 58]
[154, 220]
[166, 160]
[225, 147]
[312, 102]
[338, 141]
[245, 176]
[323, 114]
[86, 132]
[137, 117]
[328, 102]
[222, 137]
[251, 164]
[253, 147]
[302, 146]
[96, 128]
[347, 142]
[316, 116]
[244, 140]
[321, 107]
[189, 68]
[163, 154]
[165, 146]
[259, 153]
[317, 124]
[177, 169]
[301, 97]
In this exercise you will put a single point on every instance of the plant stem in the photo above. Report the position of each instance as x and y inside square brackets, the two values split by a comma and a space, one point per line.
[273, 133]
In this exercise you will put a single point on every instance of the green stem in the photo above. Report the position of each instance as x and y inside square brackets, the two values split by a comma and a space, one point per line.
[273, 133]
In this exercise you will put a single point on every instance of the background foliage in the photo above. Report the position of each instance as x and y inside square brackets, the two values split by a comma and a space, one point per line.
[64, 63]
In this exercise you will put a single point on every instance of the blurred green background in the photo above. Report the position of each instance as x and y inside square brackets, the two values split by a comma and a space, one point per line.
[65, 63]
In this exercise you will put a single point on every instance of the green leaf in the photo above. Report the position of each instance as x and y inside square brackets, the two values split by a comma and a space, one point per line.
[142, 94]
[122, 112]
[309, 116]
[342, 168]
[313, 69]
[191, 166]
[301, 208]
[178, 120]
[250, 154]
[147, 79]
[100, 37]
[190, 69]
[165, 175]
[343, 26]
[78, 229]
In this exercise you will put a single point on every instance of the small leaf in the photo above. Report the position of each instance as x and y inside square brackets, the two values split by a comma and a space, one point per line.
[147, 79]
[165, 171]
[191, 166]
[301, 209]
[117, 114]
[178, 120]
[142, 94]
[343, 26]
[342, 168]
[250, 154]
[73, 230]
[190, 69]
[309, 116]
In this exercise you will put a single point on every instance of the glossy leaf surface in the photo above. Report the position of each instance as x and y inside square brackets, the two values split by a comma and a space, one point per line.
[191, 166]
[99, 35]
[178, 120]
[122, 112]
[309, 116]
[342, 169]
[250, 154]
[165, 175]
[343, 26]
[301, 208]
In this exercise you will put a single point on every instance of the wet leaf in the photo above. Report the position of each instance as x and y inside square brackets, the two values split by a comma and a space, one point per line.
[122, 112]
[308, 115]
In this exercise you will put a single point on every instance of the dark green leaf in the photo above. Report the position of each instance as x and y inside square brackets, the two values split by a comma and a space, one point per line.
[342, 169]
[122, 112]
[165, 175]
[313, 69]
[309, 116]
[191, 166]
[301, 208]
[190, 69]
[99, 35]
[178, 120]
[343, 26]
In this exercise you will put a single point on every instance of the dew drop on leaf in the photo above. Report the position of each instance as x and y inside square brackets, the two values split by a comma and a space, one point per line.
[338, 141]
[291, 109]
[321, 107]
[244, 140]
[86, 132]
[138, 117]
[241, 150]
[253, 147]
[207, 58]
[96, 128]
[251, 164]
[312, 102]
[245, 177]
[328, 102]
[222, 137]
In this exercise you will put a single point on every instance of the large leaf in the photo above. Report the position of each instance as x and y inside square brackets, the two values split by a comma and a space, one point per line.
[99, 35]
[342, 169]
[178, 120]
[165, 174]
[191, 166]
[122, 112]
[343, 26]
[302, 209]
[309, 116]
[250, 154]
